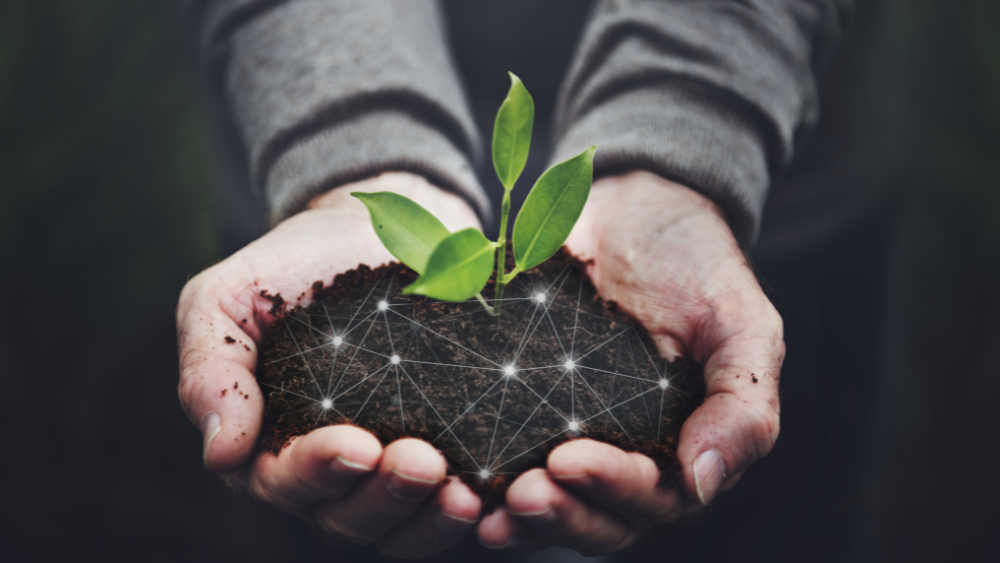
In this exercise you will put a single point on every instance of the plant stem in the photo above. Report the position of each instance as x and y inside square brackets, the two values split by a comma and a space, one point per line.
[502, 250]
[498, 296]
[490, 310]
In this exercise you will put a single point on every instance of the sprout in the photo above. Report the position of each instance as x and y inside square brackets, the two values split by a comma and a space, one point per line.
[457, 266]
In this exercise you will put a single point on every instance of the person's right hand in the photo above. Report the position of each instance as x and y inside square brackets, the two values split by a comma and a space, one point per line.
[338, 478]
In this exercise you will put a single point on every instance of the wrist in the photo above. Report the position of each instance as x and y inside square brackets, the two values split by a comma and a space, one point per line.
[450, 208]
[668, 193]
[641, 197]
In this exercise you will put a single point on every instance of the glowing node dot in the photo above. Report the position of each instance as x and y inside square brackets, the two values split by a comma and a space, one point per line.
[540, 297]
[570, 364]
[395, 359]
[382, 305]
[484, 474]
[337, 341]
[508, 371]
[327, 404]
[664, 384]
[574, 426]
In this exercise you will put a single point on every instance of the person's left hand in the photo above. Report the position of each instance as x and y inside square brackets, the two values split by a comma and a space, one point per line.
[665, 255]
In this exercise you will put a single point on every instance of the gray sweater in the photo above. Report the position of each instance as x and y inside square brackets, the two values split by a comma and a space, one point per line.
[716, 94]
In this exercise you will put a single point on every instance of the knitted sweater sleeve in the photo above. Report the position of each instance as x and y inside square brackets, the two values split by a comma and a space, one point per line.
[325, 92]
[714, 94]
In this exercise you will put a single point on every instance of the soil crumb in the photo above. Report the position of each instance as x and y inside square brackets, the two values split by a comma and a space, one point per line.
[494, 395]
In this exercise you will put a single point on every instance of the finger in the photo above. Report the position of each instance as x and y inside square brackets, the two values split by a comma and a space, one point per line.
[558, 517]
[439, 524]
[325, 464]
[739, 421]
[409, 473]
[500, 530]
[217, 388]
[626, 484]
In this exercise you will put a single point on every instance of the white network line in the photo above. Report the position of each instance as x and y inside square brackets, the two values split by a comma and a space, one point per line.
[483, 390]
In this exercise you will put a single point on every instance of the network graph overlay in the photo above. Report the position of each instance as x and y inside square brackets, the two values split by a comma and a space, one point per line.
[493, 395]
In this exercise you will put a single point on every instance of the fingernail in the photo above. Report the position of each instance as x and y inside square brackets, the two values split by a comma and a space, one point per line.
[709, 471]
[409, 488]
[341, 467]
[581, 481]
[546, 515]
[211, 425]
[450, 523]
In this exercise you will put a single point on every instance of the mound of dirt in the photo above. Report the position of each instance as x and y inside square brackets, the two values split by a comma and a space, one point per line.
[495, 395]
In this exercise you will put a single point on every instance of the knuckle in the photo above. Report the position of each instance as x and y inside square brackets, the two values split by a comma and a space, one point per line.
[764, 426]
[271, 493]
[773, 318]
[261, 491]
[187, 296]
[188, 392]
[189, 290]
[193, 296]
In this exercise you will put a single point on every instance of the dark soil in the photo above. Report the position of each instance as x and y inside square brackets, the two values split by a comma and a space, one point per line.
[450, 386]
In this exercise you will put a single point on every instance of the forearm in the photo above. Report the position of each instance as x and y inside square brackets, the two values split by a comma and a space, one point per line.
[715, 95]
[330, 92]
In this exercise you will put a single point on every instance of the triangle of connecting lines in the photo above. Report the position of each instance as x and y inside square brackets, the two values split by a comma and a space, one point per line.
[493, 395]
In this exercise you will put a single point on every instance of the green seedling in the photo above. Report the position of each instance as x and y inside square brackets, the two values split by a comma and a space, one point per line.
[457, 266]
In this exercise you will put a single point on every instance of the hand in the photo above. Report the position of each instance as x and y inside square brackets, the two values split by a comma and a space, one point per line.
[338, 477]
[665, 254]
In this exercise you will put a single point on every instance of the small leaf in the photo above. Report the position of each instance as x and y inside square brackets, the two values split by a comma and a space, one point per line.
[408, 231]
[512, 133]
[551, 209]
[458, 268]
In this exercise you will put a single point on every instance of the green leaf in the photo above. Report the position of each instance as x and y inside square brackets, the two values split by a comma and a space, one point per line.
[512, 133]
[458, 268]
[408, 231]
[551, 210]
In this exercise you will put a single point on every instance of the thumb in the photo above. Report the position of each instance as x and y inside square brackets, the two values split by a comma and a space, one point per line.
[218, 356]
[739, 421]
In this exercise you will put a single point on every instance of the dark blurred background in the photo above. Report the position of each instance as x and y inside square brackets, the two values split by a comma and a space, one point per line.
[107, 207]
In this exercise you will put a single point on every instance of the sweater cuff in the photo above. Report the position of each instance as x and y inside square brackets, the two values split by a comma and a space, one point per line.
[687, 132]
[365, 146]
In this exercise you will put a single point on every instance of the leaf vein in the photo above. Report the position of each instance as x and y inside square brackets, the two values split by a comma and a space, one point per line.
[552, 210]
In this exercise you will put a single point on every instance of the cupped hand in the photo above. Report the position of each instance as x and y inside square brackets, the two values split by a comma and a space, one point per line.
[665, 254]
[339, 478]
